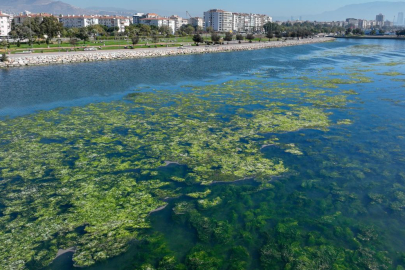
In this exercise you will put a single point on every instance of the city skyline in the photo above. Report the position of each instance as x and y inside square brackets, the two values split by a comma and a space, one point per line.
[285, 8]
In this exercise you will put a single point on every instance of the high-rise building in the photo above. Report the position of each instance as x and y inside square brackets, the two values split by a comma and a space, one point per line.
[244, 22]
[220, 20]
[380, 19]
[400, 19]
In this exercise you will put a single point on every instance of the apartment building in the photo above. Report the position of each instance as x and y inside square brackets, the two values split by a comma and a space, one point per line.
[21, 18]
[220, 20]
[380, 19]
[249, 23]
[159, 22]
[178, 22]
[136, 17]
[78, 21]
[5, 24]
[363, 24]
[196, 21]
[352, 21]
[114, 21]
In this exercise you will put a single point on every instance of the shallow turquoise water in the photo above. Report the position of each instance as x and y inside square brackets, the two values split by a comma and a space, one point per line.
[344, 195]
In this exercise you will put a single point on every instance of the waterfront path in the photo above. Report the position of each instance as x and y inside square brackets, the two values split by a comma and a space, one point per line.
[18, 60]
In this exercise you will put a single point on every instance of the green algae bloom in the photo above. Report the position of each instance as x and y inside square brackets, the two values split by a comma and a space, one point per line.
[88, 177]
[391, 73]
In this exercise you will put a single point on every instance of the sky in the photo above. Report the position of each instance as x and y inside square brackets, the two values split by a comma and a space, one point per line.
[196, 8]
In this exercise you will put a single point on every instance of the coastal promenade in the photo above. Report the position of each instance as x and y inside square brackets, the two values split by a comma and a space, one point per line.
[90, 56]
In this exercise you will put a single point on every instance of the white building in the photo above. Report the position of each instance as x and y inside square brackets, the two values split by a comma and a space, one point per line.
[243, 22]
[5, 24]
[114, 21]
[178, 22]
[196, 21]
[219, 20]
[223, 21]
[363, 24]
[21, 18]
[159, 22]
[353, 21]
[73, 21]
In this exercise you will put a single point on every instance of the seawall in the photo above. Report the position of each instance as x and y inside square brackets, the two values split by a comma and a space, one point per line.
[90, 56]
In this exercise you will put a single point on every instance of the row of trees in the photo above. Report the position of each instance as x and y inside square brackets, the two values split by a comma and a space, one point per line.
[50, 27]
[217, 39]
[32, 28]
[301, 29]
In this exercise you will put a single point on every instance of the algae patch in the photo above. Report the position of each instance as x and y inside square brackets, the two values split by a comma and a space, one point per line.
[88, 177]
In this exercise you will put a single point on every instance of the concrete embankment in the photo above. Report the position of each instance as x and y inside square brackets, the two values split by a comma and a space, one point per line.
[90, 56]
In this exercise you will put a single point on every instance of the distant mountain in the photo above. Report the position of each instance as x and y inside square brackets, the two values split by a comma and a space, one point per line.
[36, 6]
[57, 7]
[366, 11]
[112, 11]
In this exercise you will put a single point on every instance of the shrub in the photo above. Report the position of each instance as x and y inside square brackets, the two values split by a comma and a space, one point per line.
[4, 57]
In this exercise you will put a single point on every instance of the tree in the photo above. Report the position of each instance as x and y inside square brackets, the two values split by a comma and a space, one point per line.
[189, 30]
[134, 39]
[269, 35]
[21, 32]
[373, 32]
[155, 39]
[240, 37]
[197, 38]
[51, 27]
[228, 37]
[96, 30]
[250, 37]
[209, 29]
[215, 38]
[72, 32]
[83, 35]
[400, 33]
[145, 30]
[199, 29]
[165, 30]
[73, 42]
[4, 57]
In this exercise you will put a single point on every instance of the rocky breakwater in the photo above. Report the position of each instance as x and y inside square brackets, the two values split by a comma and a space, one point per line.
[90, 56]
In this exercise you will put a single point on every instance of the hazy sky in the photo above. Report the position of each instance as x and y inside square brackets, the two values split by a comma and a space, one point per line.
[270, 7]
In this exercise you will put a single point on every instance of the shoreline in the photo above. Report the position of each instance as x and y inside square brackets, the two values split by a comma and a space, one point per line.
[373, 37]
[92, 56]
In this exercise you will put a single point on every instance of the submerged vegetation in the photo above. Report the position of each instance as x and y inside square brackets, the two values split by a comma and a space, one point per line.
[87, 177]
[93, 178]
